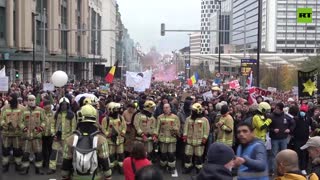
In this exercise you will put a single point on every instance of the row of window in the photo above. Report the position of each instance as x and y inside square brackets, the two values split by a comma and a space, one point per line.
[297, 42]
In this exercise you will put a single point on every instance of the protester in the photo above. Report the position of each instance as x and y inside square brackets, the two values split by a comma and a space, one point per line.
[217, 167]
[225, 127]
[251, 155]
[136, 161]
[313, 148]
[300, 134]
[288, 167]
[282, 125]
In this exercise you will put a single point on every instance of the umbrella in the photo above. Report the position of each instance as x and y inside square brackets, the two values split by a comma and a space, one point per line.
[87, 95]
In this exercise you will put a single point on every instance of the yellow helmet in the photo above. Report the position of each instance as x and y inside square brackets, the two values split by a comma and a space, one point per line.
[114, 107]
[88, 113]
[149, 104]
[197, 107]
[215, 88]
[264, 107]
[87, 101]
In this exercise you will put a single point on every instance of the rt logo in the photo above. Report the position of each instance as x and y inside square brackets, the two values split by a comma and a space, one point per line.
[304, 15]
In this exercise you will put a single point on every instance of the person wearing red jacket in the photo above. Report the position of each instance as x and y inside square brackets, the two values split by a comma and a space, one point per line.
[136, 161]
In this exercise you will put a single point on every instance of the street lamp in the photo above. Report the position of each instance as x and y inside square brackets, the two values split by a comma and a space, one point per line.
[34, 15]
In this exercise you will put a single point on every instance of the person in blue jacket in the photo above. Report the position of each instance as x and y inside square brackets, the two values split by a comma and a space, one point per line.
[251, 155]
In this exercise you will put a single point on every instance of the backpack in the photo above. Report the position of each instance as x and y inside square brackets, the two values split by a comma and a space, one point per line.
[85, 157]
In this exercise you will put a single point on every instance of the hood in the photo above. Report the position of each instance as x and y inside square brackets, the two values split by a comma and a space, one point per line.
[293, 176]
[214, 171]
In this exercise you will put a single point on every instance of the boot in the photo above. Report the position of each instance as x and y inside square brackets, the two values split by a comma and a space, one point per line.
[187, 170]
[120, 170]
[198, 170]
[171, 170]
[18, 167]
[51, 171]
[39, 171]
[24, 171]
[5, 168]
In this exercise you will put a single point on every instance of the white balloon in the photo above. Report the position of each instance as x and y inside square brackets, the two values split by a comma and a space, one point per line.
[59, 78]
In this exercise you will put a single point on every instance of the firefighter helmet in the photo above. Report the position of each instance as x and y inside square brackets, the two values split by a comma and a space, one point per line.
[197, 107]
[264, 107]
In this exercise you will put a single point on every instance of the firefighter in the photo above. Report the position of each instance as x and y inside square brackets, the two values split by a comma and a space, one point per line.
[167, 131]
[86, 126]
[145, 125]
[261, 121]
[10, 123]
[32, 125]
[63, 126]
[195, 135]
[114, 127]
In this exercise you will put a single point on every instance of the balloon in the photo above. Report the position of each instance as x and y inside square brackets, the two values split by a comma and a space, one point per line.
[59, 78]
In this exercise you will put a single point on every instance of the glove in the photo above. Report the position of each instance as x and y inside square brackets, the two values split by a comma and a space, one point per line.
[155, 138]
[25, 129]
[204, 141]
[144, 137]
[39, 129]
[268, 122]
[184, 138]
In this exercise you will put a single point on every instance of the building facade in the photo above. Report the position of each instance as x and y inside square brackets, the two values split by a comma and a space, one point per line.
[280, 31]
[195, 43]
[208, 7]
[69, 50]
[109, 13]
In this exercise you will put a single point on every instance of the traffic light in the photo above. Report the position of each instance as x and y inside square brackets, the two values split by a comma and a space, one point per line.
[17, 74]
[163, 29]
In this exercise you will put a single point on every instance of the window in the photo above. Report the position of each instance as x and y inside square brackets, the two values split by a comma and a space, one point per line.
[2, 23]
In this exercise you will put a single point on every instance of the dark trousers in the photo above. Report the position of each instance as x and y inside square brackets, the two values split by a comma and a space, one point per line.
[302, 154]
[46, 149]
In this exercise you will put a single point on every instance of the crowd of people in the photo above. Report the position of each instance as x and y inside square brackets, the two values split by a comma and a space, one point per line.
[126, 131]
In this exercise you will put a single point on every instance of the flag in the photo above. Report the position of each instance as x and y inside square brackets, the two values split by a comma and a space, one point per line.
[140, 81]
[193, 79]
[307, 84]
[109, 77]
[3, 72]
[250, 80]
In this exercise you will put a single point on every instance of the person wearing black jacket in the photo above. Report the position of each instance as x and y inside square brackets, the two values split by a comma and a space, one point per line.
[282, 125]
[217, 167]
[300, 134]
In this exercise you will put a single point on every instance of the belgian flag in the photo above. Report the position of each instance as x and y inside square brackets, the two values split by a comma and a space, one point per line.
[110, 76]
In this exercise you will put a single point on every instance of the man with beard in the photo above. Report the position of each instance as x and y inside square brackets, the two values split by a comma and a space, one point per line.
[195, 135]
[114, 127]
[145, 125]
[32, 125]
[11, 117]
[225, 127]
[63, 126]
[167, 131]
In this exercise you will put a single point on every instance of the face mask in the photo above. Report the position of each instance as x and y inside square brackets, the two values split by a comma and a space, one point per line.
[302, 114]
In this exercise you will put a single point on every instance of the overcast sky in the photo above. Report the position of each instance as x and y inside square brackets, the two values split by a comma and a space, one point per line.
[143, 19]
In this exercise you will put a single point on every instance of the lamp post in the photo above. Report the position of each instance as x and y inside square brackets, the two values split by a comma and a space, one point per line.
[259, 41]
[34, 15]
[219, 49]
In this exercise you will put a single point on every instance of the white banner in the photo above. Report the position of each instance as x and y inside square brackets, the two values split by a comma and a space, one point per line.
[4, 84]
[3, 72]
[140, 81]
[48, 87]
